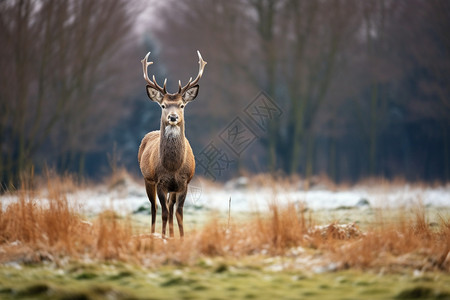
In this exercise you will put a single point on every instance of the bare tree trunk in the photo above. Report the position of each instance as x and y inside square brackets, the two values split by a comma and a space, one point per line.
[332, 160]
[373, 129]
[310, 156]
[21, 58]
[446, 151]
[62, 53]
[266, 17]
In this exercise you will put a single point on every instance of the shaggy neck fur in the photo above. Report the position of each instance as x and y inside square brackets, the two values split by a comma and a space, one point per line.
[172, 146]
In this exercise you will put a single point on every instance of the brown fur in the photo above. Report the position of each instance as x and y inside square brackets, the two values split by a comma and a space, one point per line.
[165, 156]
[168, 165]
[149, 151]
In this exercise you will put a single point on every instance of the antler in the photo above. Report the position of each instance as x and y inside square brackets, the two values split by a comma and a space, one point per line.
[152, 83]
[201, 66]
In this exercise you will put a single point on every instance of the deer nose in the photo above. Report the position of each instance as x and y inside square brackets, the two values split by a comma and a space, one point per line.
[173, 118]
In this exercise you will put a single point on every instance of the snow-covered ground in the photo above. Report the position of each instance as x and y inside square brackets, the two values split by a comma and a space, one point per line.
[129, 196]
[247, 200]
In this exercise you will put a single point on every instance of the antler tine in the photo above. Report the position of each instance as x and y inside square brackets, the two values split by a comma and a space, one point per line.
[158, 86]
[153, 84]
[185, 87]
[145, 65]
[201, 67]
[164, 85]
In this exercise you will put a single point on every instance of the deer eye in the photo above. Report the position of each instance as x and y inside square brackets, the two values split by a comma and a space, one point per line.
[182, 106]
[163, 106]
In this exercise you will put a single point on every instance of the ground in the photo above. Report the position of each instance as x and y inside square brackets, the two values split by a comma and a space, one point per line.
[376, 241]
[212, 279]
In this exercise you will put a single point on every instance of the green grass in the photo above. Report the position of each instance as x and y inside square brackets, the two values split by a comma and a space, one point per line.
[211, 279]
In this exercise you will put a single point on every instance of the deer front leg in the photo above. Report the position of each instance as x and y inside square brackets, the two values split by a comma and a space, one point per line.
[162, 195]
[181, 197]
[172, 200]
[151, 194]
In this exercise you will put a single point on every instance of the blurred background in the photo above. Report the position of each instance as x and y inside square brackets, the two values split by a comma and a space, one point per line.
[363, 86]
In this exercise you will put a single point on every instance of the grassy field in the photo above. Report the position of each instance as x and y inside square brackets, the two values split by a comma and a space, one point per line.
[212, 279]
[53, 252]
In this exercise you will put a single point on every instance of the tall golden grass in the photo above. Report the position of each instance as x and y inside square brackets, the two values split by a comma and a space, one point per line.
[31, 232]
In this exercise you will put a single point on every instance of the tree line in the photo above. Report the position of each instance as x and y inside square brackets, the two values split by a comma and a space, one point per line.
[363, 86]
[63, 81]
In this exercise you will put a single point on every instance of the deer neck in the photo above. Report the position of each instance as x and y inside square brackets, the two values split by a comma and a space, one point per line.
[172, 146]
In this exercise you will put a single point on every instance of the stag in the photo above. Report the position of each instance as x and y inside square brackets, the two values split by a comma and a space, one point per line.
[165, 155]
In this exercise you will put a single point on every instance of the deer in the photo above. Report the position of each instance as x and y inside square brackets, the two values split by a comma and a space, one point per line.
[165, 156]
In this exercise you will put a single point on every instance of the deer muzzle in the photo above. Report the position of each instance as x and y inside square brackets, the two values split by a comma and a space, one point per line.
[173, 119]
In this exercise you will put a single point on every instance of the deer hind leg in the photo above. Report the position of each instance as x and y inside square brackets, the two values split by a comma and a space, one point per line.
[172, 200]
[162, 195]
[181, 197]
[151, 193]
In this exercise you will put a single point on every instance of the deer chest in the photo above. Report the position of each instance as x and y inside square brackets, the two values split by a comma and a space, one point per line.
[172, 184]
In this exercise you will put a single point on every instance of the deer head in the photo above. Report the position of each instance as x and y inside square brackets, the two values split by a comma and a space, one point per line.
[172, 105]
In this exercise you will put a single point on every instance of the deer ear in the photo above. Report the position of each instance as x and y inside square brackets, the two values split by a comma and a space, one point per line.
[190, 94]
[154, 94]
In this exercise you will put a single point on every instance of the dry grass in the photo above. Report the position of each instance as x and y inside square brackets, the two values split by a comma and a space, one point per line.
[408, 242]
[31, 232]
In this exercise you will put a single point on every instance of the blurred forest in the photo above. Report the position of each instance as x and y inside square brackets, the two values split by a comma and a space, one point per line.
[363, 86]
